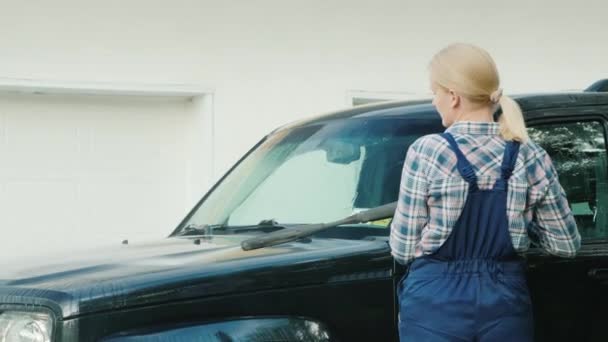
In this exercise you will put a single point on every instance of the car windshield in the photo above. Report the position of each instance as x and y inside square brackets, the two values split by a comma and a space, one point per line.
[314, 173]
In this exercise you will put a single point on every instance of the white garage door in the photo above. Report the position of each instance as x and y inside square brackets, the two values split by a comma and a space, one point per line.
[89, 170]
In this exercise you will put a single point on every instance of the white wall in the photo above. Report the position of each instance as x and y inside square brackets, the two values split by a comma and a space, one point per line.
[273, 61]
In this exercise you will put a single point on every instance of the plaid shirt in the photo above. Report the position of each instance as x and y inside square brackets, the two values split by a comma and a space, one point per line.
[432, 193]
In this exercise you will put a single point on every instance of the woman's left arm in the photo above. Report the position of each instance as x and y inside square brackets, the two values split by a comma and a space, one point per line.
[412, 211]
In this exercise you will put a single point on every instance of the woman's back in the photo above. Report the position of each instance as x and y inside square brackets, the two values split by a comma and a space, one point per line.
[534, 192]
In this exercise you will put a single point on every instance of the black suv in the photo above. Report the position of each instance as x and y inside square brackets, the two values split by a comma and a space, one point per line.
[253, 260]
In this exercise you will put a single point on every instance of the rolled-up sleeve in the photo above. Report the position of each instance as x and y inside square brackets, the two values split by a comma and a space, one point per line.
[412, 212]
[553, 225]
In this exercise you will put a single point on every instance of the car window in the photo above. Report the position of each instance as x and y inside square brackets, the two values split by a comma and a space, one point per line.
[293, 181]
[316, 173]
[357, 168]
[578, 151]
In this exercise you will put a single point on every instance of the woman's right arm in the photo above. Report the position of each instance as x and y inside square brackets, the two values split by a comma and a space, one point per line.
[552, 224]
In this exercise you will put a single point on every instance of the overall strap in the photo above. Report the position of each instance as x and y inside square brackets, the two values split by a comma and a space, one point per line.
[508, 164]
[464, 166]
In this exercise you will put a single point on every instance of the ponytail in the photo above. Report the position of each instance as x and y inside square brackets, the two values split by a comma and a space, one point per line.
[512, 124]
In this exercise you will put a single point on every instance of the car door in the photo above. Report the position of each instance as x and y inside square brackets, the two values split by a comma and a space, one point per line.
[570, 296]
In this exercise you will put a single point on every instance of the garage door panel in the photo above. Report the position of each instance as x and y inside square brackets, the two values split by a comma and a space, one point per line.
[40, 207]
[123, 209]
[33, 143]
[92, 170]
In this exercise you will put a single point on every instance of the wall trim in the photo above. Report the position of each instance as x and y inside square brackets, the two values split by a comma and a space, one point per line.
[354, 97]
[52, 87]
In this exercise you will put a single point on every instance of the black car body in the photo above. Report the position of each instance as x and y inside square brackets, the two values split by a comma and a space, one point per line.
[336, 285]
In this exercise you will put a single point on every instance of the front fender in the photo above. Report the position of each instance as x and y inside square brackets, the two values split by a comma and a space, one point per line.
[240, 329]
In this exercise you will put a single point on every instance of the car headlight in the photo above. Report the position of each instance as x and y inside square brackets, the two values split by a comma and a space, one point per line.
[18, 326]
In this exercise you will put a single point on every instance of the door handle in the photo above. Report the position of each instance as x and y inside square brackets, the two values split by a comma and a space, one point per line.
[598, 273]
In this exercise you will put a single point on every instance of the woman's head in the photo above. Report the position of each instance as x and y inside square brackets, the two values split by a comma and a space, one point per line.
[466, 84]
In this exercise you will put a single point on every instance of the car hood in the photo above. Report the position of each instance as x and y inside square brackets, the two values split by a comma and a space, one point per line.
[180, 268]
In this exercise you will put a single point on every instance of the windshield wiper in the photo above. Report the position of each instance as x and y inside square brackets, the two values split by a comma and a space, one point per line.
[254, 227]
[301, 231]
[209, 229]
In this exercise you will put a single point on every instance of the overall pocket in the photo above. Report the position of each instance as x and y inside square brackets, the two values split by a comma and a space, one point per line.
[514, 290]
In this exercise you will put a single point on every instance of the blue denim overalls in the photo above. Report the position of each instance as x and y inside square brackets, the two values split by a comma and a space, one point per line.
[473, 288]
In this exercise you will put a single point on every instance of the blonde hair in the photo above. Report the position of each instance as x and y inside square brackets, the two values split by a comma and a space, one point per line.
[471, 72]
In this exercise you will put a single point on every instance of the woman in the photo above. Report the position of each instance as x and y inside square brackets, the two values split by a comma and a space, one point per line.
[470, 200]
